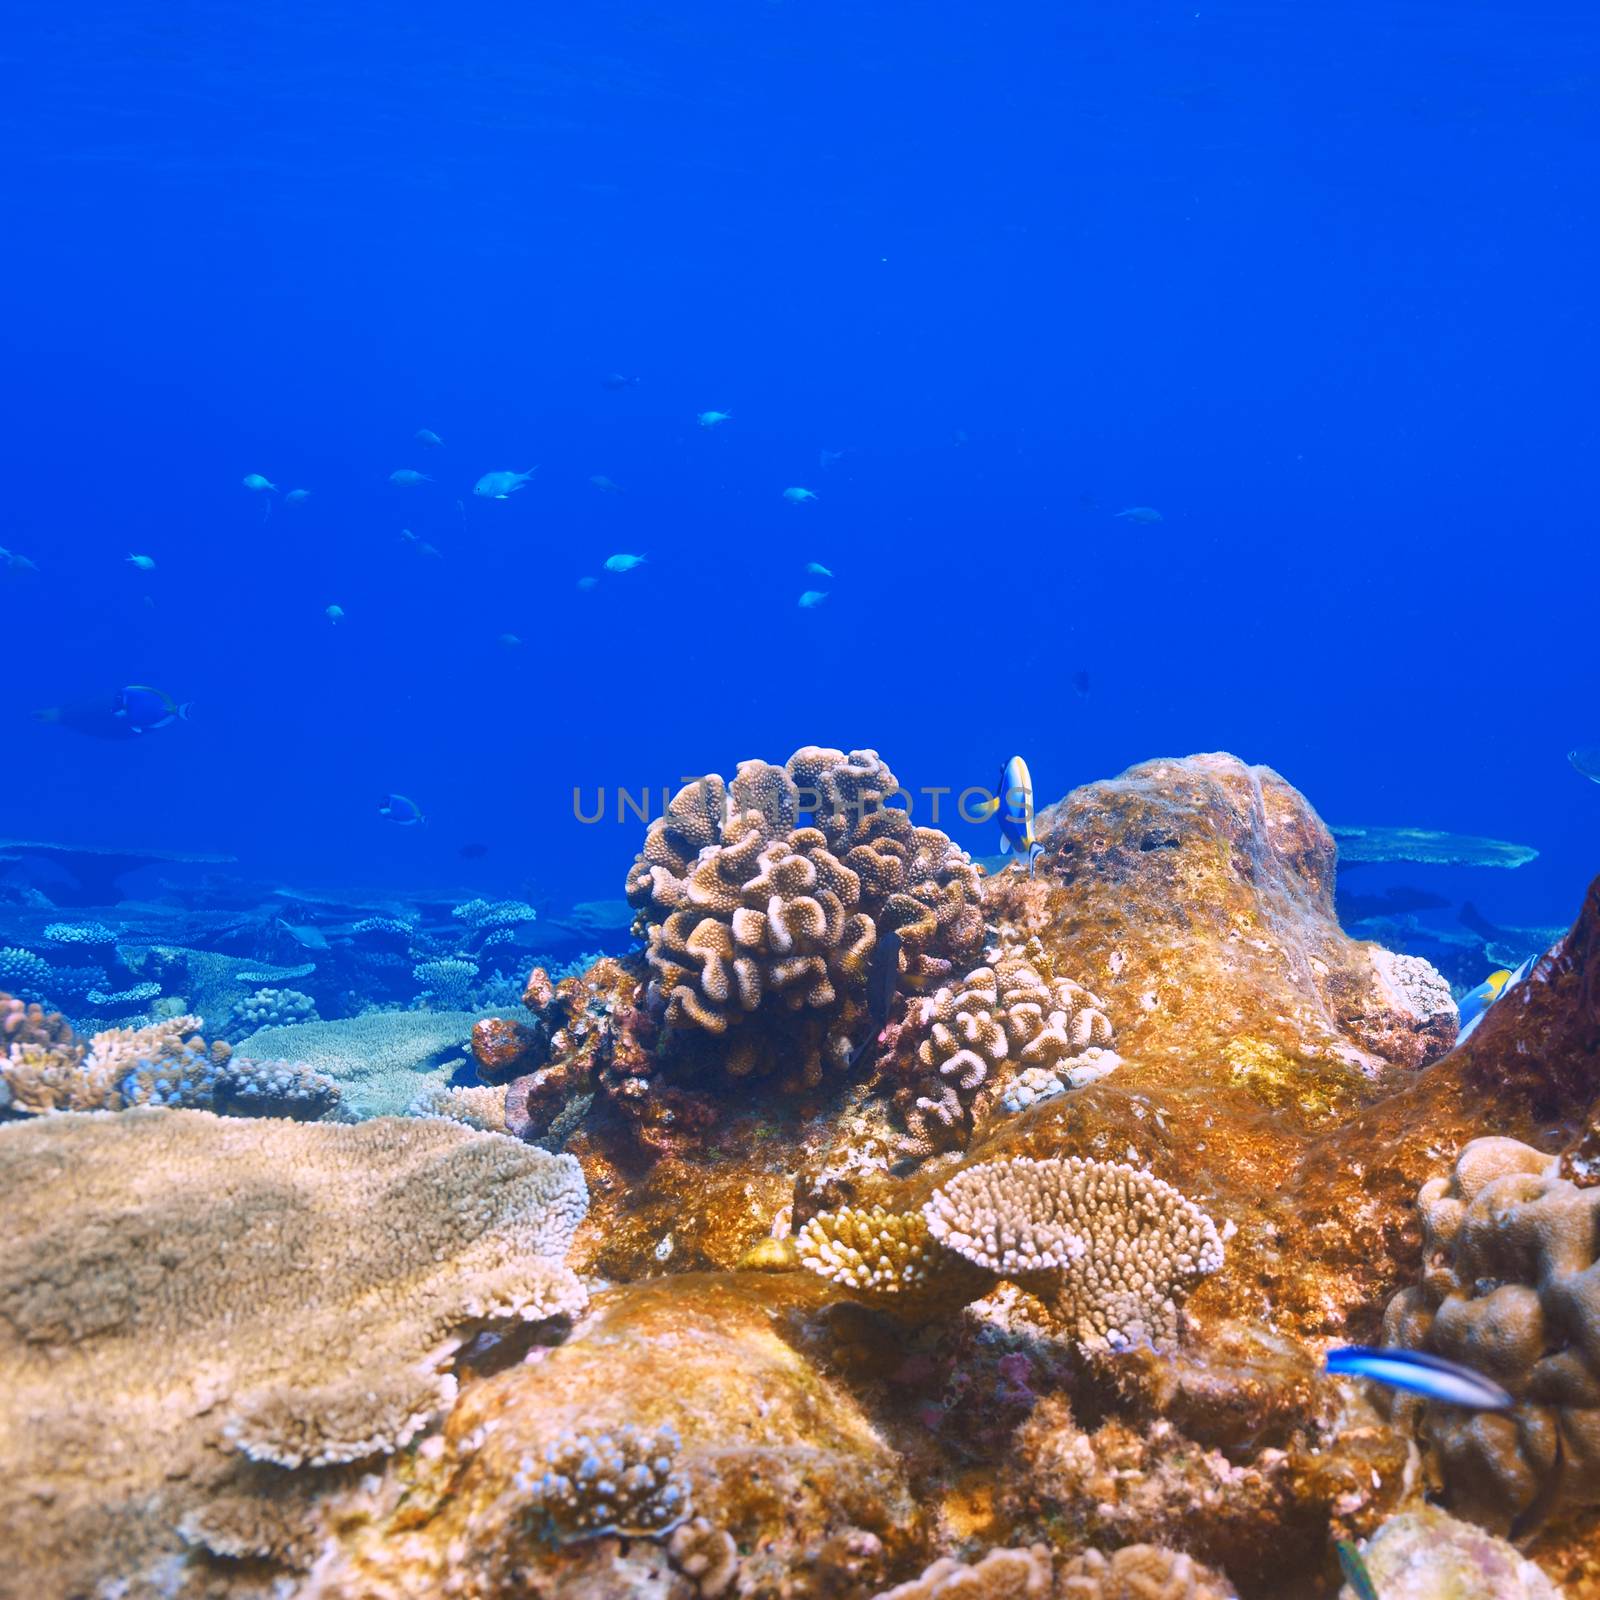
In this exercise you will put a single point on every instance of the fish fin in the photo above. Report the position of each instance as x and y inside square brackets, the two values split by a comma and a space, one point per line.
[1035, 850]
[1005, 845]
[185, 709]
[985, 809]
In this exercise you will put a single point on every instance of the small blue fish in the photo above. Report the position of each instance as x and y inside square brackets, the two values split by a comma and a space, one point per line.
[1356, 1571]
[398, 809]
[144, 708]
[1417, 1372]
[1475, 1006]
[1013, 803]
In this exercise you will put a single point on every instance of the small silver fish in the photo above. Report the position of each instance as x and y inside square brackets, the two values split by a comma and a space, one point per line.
[1417, 1372]
[817, 570]
[297, 497]
[143, 563]
[604, 484]
[812, 598]
[502, 485]
[407, 478]
[587, 583]
[1140, 514]
[711, 419]
[798, 497]
[1586, 759]
[427, 438]
[334, 614]
[622, 563]
[256, 484]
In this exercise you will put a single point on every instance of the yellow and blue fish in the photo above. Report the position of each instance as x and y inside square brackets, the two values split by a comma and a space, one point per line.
[1012, 804]
[1475, 1006]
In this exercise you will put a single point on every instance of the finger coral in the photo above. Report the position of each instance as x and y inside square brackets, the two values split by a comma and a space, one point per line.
[973, 1040]
[183, 1291]
[1510, 1287]
[752, 912]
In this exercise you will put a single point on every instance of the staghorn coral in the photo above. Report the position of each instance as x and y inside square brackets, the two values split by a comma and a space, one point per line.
[23, 973]
[445, 982]
[586, 1485]
[1510, 1286]
[1111, 1246]
[1000, 1575]
[974, 1038]
[1139, 1572]
[183, 1291]
[754, 915]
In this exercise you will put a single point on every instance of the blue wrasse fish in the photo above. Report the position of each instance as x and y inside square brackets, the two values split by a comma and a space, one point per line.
[397, 808]
[1354, 1566]
[126, 714]
[1418, 1373]
[1013, 804]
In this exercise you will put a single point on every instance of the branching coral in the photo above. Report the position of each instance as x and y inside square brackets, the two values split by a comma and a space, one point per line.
[445, 982]
[589, 1484]
[248, 1088]
[1511, 1287]
[885, 1256]
[180, 1288]
[975, 1037]
[706, 1555]
[269, 1008]
[754, 913]
[480, 1105]
[47, 1068]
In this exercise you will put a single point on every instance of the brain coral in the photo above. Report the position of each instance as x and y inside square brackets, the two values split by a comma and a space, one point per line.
[184, 1291]
[1510, 1286]
[976, 1036]
[754, 915]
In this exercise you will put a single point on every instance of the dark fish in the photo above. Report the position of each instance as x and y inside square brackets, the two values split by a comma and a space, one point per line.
[619, 380]
[883, 977]
[1080, 682]
[1417, 1372]
[1356, 1572]
[473, 852]
[397, 808]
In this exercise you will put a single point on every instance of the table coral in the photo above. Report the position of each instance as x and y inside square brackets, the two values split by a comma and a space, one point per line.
[1510, 1287]
[754, 914]
[1112, 1246]
[184, 1292]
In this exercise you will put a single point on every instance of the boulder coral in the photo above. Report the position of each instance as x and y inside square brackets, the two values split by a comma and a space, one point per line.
[194, 1306]
[755, 914]
[1510, 1286]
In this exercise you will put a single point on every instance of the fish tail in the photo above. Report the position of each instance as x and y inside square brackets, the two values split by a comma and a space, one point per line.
[185, 710]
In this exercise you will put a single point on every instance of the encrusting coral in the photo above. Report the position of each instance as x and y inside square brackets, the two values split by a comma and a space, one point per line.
[1139, 1572]
[753, 914]
[589, 1484]
[1426, 1554]
[999, 1575]
[1511, 1288]
[183, 1292]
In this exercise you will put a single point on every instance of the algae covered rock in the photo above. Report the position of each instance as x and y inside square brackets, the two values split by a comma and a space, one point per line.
[1427, 1554]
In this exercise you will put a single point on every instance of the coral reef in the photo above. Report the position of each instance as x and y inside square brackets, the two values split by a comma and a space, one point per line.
[1000, 1575]
[1510, 1287]
[381, 1061]
[1429, 846]
[186, 1295]
[268, 1008]
[481, 1106]
[754, 916]
[1139, 1572]
[589, 1484]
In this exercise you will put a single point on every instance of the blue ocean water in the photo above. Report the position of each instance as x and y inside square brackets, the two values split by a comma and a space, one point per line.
[1314, 283]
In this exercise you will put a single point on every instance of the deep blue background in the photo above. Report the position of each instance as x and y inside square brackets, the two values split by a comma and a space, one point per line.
[1318, 282]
